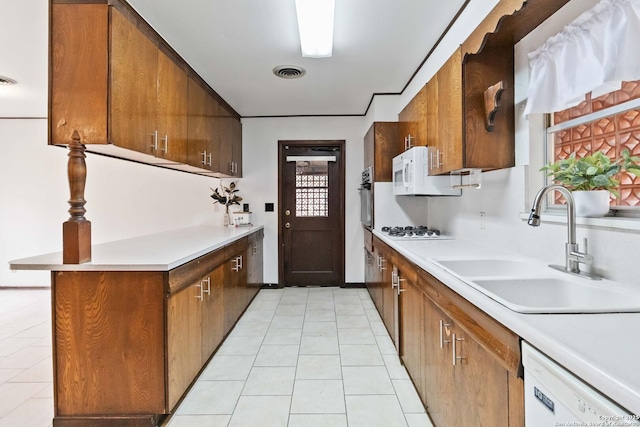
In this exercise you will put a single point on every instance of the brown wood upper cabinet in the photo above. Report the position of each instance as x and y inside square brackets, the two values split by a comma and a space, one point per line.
[413, 122]
[380, 146]
[148, 95]
[119, 84]
[202, 123]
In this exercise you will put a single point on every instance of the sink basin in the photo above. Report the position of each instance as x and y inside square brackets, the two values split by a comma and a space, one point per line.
[530, 287]
[558, 295]
[488, 267]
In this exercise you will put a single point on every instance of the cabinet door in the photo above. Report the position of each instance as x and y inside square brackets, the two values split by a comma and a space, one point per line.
[413, 121]
[380, 147]
[388, 296]
[184, 346]
[225, 126]
[449, 119]
[133, 79]
[480, 379]
[212, 312]
[234, 289]
[172, 110]
[412, 333]
[202, 142]
[236, 148]
[255, 265]
[438, 377]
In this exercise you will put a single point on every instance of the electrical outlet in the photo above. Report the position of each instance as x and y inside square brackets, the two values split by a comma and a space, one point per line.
[483, 217]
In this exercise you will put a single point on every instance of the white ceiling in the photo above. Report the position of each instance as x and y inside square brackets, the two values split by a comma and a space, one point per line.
[234, 46]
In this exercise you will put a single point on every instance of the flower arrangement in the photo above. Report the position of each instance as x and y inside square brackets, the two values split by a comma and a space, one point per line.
[226, 196]
[594, 172]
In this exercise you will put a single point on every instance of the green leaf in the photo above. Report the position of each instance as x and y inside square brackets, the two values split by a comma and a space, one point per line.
[601, 181]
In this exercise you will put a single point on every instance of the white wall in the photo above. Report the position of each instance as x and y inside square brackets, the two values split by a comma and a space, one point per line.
[124, 199]
[260, 169]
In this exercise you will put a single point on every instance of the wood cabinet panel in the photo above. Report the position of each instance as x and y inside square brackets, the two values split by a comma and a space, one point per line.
[449, 141]
[184, 344]
[82, 31]
[202, 118]
[413, 122]
[133, 86]
[172, 110]
[213, 313]
[412, 334]
[108, 342]
[380, 147]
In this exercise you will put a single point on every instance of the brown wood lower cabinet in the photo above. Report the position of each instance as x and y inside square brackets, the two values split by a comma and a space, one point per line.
[128, 344]
[463, 363]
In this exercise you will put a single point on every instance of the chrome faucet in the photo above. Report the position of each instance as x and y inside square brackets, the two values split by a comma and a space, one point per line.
[573, 256]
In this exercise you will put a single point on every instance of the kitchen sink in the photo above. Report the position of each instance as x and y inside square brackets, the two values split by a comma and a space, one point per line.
[558, 295]
[531, 287]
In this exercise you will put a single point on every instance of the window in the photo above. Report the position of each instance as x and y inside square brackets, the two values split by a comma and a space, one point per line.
[312, 188]
[609, 123]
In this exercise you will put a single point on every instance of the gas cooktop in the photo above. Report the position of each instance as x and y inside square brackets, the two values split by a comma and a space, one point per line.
[410, 232]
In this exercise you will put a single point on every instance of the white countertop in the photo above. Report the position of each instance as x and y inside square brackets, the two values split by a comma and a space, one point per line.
[602, 349]
[154, 252]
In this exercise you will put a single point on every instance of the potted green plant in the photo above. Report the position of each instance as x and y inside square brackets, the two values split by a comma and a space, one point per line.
[592, 178]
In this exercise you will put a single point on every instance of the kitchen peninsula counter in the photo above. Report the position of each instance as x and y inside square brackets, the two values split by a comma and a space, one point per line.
[601, 349]
[133, 328]
[154, 252]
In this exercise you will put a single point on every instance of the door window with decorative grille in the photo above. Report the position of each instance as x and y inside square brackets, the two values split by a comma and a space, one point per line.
[609, 123]
[312, 188]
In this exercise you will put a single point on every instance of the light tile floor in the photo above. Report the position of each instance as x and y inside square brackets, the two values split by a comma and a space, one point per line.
[26, 374]
[297, 357]
[305, 357]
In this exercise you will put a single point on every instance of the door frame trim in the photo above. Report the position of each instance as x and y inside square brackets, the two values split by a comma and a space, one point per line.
[309, 143]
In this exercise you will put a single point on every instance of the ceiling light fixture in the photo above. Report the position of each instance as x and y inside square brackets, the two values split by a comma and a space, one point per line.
[7, 81]
[315, 24]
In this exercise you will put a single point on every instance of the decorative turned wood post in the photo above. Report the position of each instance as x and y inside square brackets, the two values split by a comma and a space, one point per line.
[76, 232]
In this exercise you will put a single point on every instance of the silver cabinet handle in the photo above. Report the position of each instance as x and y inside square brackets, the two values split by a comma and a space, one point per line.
[255, 249]
[207, 282]
[199, 296]
[238, 263]
[154, 140]
[399, 289]
[382, 261]
[204, 158]
[165, 139]
[209, 157]
[394, 277]
[442, 340]
[454, 356]
[241, 262]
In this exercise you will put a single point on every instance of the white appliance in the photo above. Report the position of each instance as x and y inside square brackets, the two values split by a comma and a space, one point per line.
[553, 397]
[411, 176]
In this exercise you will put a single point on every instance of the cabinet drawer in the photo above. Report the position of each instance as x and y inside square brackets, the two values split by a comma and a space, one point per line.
[189, 273]
[236, 247]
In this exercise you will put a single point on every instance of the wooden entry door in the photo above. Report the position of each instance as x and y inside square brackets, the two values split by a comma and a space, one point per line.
[311, 213]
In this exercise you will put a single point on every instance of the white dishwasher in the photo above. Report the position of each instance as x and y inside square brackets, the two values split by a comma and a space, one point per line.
[555, 397]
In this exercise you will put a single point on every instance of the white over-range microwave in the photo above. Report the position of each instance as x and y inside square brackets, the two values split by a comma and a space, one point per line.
[411, 176]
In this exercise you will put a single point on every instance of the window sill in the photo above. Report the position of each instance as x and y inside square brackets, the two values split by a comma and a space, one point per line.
[607, 222]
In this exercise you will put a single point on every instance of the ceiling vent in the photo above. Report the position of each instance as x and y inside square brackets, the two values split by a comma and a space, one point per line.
[6, 81]
[289, 71]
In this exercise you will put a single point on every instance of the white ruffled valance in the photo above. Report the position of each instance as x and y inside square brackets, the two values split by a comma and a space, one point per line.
[594, 53]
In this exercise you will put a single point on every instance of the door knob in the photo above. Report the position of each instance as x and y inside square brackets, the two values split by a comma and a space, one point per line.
[287, 225]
